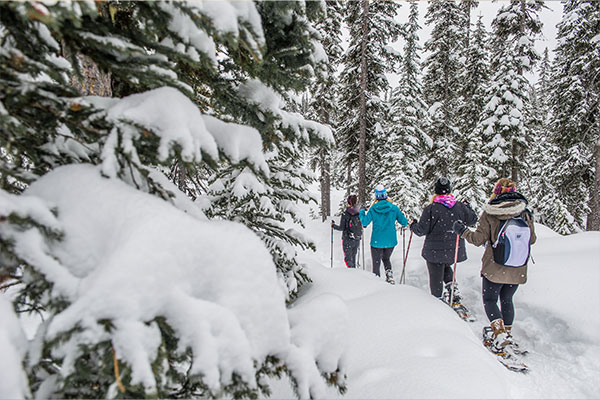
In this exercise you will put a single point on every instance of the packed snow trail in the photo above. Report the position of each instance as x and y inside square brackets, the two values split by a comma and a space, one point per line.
[403, 343]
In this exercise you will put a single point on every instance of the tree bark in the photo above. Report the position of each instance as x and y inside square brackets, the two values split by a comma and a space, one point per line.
[363, 105]
[348, 178]
[514, 175]
[325, 185]
[516, 149]
[593, 220]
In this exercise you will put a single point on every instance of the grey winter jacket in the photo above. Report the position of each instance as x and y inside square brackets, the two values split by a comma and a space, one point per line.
[436, 225]
[498, 210]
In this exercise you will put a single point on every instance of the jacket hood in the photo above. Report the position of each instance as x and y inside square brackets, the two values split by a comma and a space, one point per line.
[506, 205]
[352, 210]
[382, 207]
[504, 197]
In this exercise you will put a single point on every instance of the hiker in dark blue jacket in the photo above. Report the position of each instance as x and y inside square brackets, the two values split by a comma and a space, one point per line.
[384, 216]
[440, 240]
[351, 231]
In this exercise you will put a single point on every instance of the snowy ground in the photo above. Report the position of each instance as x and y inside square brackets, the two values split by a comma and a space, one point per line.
[402, 343]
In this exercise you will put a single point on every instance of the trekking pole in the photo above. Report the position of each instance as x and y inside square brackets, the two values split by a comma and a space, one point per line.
[403, 276]
[332, 246]
[363, 250]
[403, 248]
[454, 273]
[358, 258]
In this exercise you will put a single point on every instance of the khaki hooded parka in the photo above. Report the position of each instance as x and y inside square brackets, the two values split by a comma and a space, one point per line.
[498, 210]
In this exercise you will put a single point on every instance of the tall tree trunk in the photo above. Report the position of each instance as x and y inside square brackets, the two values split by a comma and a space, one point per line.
[514, 173]
[325, 185]
[92, 81]
[516, 149]
[593, 221]
[363, 106]
[348, 178]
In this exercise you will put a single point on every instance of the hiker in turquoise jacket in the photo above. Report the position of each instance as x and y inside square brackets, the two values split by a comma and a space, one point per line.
[384, 215]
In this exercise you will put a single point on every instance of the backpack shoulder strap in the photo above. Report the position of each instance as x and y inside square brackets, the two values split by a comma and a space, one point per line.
[347, 220]
[503, 226]
[527, 215]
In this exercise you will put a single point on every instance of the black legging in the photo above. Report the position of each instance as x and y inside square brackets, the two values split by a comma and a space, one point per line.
[438, 275]
[491, 292]
[377, 255]
[350, 248]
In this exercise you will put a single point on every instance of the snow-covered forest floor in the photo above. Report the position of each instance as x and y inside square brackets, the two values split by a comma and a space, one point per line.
[403, 343]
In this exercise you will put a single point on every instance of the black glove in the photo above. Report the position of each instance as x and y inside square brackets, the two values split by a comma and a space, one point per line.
[466, 203]
[412, 224]
[332, 223]
[459, 227]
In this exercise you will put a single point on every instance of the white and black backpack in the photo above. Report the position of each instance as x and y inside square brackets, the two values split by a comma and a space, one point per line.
[513, 244]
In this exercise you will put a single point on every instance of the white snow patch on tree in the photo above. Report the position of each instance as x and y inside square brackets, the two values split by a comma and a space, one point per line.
[269, 101]
[173, 117]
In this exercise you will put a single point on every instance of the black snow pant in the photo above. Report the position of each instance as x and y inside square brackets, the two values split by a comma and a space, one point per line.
[491, 292]
[350, 247]
[377, 255]
[438, 275]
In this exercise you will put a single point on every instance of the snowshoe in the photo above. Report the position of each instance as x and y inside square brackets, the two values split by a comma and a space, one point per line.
[511, 347]
[389, 276]
[457, 298]
[504, 355]
[513, 365]
[463, 312]
[514, 346]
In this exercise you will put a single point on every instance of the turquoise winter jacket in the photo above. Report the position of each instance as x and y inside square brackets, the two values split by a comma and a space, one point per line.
[384, 215]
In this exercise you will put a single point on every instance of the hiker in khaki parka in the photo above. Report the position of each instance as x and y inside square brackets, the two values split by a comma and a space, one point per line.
[499, 281]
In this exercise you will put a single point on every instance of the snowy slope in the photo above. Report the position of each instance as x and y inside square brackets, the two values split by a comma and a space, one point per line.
[402, 343]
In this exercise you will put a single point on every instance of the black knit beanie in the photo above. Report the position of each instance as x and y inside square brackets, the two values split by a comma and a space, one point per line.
[443, 186]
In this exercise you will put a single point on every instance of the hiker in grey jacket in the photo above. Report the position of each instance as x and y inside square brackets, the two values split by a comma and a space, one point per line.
[440, 240]
[499, 282]
[351, 231]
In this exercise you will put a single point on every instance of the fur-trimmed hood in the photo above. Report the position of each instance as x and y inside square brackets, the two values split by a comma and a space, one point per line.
[506, 205]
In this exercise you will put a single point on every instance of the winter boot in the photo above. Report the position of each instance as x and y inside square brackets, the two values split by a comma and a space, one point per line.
[457, 299]
[389, 276]
[500, 336]
[512, 346]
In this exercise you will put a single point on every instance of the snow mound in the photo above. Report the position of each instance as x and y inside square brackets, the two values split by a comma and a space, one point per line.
[132, 257]
[544, 232]
[399, 338]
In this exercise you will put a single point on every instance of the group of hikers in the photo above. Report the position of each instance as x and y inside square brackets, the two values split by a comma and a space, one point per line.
[505, 227]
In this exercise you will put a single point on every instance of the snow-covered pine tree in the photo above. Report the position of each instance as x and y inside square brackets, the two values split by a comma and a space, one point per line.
[516, 27]
[263, 203]
[544, 83]
[371, 44]
[467, 6]
[324, 96]
[575, 103]
[473, 174]
[196, 337]
[441, 85]
[544, 198]
[408, 144]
